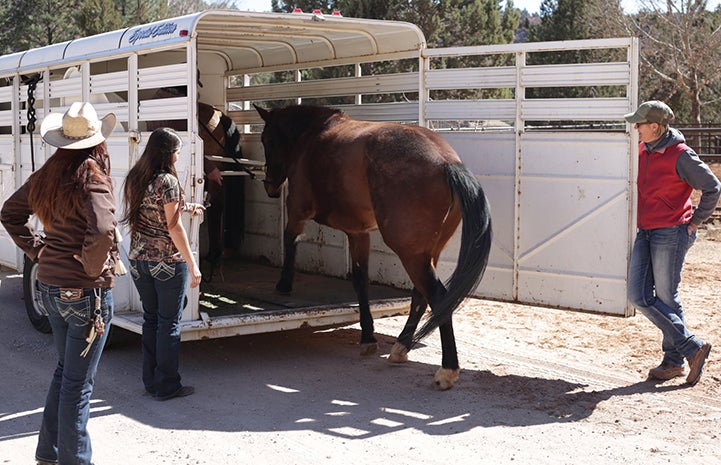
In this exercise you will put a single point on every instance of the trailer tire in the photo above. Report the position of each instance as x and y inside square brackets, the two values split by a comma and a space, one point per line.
[37, 316]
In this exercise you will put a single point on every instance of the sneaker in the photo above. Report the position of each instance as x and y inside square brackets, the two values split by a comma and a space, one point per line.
[696, 363]
[182, 392]
[665, 371]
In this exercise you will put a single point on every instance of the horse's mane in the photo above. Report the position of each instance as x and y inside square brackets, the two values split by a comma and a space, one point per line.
[311, 111]
[300, 119]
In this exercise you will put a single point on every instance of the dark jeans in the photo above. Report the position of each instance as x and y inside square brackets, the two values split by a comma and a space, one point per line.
[653, 280]
[161, 286]
[63, 436]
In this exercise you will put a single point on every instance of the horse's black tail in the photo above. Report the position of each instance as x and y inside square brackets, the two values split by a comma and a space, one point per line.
[475, 247]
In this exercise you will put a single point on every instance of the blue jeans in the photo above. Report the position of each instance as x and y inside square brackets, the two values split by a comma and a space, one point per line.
[63, 436]
[161, 286]
[653, 279]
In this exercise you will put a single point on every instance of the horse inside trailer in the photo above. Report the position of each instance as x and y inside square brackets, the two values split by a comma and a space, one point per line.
[129, 72]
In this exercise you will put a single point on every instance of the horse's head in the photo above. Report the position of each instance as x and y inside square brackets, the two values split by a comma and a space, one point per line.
[288, 133]
[276, 146]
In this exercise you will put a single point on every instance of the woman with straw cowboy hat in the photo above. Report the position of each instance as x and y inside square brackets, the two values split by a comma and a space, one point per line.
[72, 195]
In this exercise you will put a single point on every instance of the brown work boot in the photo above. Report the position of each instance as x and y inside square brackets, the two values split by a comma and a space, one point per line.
[665, 371]
[695, 364]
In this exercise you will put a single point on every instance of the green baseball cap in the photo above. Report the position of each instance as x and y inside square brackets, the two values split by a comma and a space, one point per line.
[653, 111]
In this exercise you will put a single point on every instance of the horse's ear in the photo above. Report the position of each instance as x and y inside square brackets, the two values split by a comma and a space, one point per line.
[265, 114]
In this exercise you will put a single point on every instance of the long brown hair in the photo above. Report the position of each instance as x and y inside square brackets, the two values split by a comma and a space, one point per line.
[59, 187]
[157, 157]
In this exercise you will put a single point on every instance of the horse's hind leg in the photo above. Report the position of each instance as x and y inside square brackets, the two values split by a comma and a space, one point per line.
[399, 352]
[428, 288]
[448, 374]
[360, 250]
[427, 283]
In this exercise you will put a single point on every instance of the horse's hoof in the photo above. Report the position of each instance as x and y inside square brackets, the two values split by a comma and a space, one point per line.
[399, 353]
[368, 348]
[283, 288]
[214, 258]
[445, 378]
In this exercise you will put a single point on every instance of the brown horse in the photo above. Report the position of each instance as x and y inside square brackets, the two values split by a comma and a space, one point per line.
[221, 138]
[403, 180]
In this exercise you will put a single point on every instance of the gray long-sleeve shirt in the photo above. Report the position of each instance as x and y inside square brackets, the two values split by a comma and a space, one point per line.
[694, 172]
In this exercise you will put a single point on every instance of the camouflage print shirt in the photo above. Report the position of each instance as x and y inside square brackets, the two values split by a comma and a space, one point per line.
[152, 241]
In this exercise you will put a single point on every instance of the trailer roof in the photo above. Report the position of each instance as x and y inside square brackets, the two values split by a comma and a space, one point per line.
[248, 40]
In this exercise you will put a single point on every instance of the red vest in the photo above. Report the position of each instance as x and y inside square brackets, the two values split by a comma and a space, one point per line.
[664, 199]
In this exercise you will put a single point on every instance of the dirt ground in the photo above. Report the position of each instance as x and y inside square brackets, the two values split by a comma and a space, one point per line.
[538, 386]
[621, 347]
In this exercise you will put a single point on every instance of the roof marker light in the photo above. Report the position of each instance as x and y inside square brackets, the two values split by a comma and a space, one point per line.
[317, 12]
[337, 13]
[297, 10]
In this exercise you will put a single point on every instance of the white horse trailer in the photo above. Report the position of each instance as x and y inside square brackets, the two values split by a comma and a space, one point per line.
[562, 199]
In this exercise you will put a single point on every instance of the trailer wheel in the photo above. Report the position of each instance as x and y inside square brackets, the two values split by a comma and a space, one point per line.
[37, 317]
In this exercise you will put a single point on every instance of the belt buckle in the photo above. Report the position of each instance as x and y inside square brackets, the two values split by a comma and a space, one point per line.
[70, 294]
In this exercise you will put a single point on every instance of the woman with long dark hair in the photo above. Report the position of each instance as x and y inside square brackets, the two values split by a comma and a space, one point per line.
[161, 262]
[72, 195]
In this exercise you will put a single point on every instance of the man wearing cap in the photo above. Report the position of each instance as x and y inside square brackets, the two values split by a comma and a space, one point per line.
[72, 194]
[667, 222]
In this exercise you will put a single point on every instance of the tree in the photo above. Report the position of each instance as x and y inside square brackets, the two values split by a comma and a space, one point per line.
[184, 7]
[476, 22]
[577, 19]
[98, 16]
[307, 6]
[680, 40]
[27, 24]
[444, 23]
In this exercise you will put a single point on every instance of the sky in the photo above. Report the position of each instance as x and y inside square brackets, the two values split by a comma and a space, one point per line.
[532, 6]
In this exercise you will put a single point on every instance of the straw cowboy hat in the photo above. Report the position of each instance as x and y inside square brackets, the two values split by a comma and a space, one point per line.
[78, 128]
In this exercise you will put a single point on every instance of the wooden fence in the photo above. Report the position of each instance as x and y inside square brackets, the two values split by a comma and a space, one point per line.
[705, 139]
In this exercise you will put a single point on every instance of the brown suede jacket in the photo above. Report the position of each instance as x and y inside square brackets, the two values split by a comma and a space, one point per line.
[90, 236]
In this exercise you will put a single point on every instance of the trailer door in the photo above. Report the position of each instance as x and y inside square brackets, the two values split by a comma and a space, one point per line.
[559, 172]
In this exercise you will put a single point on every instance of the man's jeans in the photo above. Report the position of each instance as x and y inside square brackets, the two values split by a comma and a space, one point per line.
[63, 434]
[161, 286]
[653, 280]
